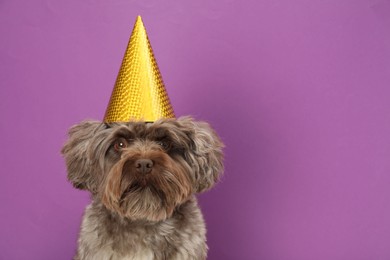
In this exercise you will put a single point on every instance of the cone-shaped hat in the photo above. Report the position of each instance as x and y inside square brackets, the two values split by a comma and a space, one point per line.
[139, 92]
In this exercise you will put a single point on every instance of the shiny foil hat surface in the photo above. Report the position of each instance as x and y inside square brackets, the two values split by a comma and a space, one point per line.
[139, 92]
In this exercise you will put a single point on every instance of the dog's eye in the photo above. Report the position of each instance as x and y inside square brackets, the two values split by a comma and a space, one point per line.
[164, 145]
[120, 144]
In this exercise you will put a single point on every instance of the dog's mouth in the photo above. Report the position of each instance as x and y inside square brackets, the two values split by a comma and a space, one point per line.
[142, 185]
[132, 188]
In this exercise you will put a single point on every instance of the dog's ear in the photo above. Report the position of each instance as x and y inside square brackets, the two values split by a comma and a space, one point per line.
[76, 156]
[205, 153]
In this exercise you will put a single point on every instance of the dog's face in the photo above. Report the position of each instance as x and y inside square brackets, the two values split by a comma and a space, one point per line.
[143, 170]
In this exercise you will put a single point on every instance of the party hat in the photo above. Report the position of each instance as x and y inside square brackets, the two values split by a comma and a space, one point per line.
[139, 92]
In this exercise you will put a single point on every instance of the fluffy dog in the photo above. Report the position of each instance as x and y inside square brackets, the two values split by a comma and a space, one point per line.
[143, 177]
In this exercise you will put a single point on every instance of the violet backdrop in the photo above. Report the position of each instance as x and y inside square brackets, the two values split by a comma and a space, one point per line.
[298, 90]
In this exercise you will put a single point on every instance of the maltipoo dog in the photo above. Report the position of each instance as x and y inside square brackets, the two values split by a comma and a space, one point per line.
[143, 178]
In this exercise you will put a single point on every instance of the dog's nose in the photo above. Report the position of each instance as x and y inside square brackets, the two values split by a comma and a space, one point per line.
[144, 165]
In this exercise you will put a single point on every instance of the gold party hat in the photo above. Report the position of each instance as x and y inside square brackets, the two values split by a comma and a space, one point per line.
[139, 92]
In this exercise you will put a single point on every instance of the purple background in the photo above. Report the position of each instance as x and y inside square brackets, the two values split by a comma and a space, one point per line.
[298, 90]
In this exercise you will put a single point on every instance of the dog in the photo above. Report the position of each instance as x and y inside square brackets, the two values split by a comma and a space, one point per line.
[143, 177]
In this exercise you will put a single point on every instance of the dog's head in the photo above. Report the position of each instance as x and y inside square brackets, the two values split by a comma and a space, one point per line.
[143, 170]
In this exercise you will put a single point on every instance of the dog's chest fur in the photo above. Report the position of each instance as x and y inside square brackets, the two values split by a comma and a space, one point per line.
[107, 236]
